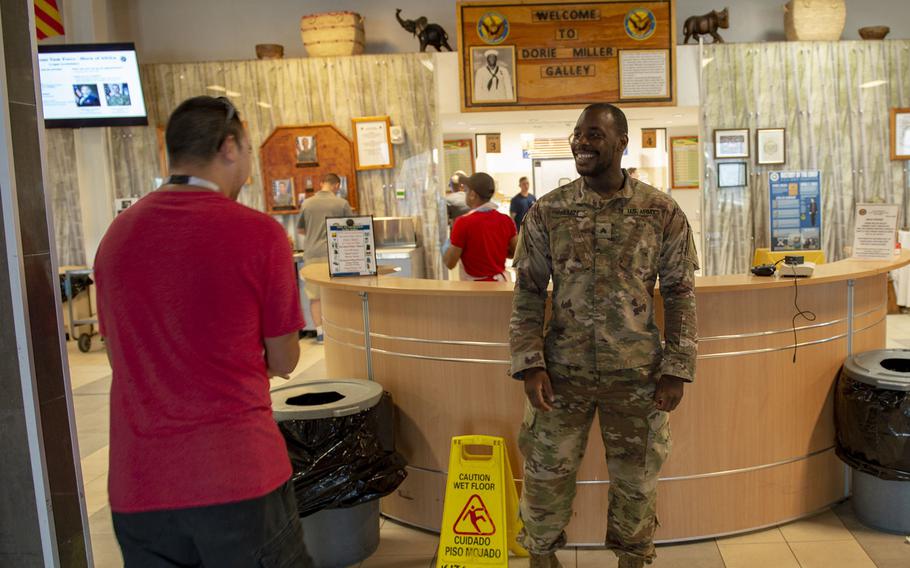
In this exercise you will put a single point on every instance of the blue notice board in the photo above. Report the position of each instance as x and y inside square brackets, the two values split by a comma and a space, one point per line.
[796, 210]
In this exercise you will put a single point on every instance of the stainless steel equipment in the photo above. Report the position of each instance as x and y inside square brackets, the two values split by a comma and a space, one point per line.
[399, 244]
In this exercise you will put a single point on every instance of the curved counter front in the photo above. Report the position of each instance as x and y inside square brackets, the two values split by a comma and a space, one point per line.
[753, 440]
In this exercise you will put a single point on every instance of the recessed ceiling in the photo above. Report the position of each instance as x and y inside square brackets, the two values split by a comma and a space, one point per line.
[654, 117]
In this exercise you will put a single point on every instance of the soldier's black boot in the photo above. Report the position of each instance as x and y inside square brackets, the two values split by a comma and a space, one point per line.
[545, 561]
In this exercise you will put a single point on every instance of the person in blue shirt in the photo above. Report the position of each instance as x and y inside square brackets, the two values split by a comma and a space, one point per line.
[521, 202]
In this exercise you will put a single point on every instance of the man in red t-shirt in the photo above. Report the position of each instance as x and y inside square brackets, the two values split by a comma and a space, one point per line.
[483, 238]
[198, 305]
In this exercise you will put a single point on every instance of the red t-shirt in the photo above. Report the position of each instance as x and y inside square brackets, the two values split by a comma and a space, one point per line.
[484, 239]
[189, 284]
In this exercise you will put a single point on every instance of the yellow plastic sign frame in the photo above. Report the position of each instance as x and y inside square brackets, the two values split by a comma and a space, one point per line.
[480, 518]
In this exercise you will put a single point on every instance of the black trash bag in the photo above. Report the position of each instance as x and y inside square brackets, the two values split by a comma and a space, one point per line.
[346, 461]
[873, 429]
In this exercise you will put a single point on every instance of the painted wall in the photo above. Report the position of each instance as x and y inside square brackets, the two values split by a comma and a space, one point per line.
[207, 30]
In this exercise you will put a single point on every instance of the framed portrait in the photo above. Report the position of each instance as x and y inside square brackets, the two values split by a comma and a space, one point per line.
[900, 134]
[771, 145]
[305, 150]
[494, 74]
[731, 143]
[373, 143]
[731, 174]
[282, 195]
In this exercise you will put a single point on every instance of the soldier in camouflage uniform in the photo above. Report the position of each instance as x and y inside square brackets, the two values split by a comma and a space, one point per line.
[604, 239]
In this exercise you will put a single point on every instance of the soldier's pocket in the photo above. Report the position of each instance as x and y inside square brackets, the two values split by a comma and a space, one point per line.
[526, 435]
[569, 247]
[659, 442]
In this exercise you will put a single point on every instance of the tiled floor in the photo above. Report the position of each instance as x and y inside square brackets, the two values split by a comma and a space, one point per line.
[833, 539]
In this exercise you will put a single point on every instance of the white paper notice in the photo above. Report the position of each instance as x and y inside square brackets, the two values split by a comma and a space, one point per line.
[372, 144]
[352, 250]
[876, 228]
[644, 74]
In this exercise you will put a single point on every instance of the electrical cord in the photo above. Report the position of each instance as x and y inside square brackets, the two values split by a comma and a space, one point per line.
[808, 315]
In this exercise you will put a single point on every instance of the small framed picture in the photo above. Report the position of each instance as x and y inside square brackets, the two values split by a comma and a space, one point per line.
[494, 74]
[731, 174]
[306, 151]
[731, 143]
[283, 195]
[900, 134]
[771, 145]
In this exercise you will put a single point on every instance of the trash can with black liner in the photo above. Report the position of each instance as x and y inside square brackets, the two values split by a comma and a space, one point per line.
[340, 438]
[872, 415]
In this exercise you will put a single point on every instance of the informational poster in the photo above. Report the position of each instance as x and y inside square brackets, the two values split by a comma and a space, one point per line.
[796, 210]
[352, 247]
[644, 74]
[684, 162]
[876, 230]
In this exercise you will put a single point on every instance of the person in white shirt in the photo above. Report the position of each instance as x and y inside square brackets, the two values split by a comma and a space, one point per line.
[493, 82]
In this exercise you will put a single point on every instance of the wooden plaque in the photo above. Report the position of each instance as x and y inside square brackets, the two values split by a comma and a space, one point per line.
[530, 54]
[301, 154]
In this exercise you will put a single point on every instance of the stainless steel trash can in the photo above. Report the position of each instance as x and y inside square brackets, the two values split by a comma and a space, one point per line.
[872, 415]
[339, 537]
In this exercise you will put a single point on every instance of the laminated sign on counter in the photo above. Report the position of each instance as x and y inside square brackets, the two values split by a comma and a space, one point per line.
[480, 519]
[352, 247]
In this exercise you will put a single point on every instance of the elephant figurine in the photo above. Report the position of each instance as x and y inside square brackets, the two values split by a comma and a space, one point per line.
[428, 34]
[707, 24]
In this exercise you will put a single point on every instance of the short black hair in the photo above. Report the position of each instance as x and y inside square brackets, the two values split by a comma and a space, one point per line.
[331, 178]
[198, 127]
[619, 117]
[482, 184]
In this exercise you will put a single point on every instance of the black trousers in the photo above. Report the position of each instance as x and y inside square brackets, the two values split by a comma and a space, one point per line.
[257, 533]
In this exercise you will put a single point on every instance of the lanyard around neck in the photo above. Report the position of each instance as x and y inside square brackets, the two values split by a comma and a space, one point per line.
[192, 180]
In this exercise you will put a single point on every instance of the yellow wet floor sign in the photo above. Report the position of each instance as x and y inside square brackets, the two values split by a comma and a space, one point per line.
[480, 517]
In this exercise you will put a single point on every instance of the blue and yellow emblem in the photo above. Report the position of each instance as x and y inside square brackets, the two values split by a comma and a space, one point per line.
[493, 28]
[640, 23]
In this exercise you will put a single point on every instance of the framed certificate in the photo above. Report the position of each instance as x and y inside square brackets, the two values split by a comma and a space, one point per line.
[900, 134]
[373, 143]
[731, 174]
[731, 143]
[771, 145]
[684, 162]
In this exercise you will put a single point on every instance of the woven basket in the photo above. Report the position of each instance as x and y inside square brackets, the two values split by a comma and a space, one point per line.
[815, 20]
[332, 33]
[269, 51]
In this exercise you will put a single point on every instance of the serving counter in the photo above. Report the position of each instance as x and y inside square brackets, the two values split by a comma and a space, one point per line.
[753, 439]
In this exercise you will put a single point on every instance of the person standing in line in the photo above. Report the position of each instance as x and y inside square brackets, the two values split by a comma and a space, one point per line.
[604, 239]
[315, 210]
[482, 239]
[456, 205]
[198, 306]
[521, 202]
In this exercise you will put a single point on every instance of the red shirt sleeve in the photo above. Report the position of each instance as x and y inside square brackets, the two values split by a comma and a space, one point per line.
[281, 313]
[459, 233]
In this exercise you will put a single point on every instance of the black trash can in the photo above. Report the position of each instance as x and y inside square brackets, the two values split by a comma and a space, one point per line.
[872, 415]
[339, 438]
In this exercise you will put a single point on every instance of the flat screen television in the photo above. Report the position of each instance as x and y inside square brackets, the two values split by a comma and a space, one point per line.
[91, 85]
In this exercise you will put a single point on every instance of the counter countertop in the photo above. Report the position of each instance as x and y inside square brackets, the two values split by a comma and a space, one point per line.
[824, 273]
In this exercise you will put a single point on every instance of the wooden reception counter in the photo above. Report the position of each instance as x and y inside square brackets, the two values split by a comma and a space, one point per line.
[753, 440]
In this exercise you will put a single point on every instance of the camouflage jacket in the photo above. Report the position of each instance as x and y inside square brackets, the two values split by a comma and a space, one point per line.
[604, 256]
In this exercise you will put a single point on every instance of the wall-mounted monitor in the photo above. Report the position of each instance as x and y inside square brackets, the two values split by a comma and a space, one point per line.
[91, 85]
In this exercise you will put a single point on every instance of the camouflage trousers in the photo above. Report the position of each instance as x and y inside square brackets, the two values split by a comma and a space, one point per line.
[637, 440]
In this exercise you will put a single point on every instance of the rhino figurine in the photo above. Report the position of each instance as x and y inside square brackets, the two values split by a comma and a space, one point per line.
[427, 34]
[707, 24]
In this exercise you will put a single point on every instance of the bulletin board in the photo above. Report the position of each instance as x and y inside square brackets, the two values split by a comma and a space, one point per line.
[458, 155]
[301, 155]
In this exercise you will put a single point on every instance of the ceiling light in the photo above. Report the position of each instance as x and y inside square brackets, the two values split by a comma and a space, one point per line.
[871, 84]
[216, 88]
[232, 93]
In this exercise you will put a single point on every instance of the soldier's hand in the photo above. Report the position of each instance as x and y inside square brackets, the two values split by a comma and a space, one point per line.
[669, 392]
[538, 389]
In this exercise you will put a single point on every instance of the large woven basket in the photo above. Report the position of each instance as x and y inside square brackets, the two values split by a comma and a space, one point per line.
[332, 33]
[815, 20]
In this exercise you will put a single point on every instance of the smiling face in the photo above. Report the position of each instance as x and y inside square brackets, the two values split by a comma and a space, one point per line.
[596, 143]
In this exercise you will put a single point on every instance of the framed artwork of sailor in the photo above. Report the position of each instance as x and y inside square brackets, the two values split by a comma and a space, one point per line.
[494, 74]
